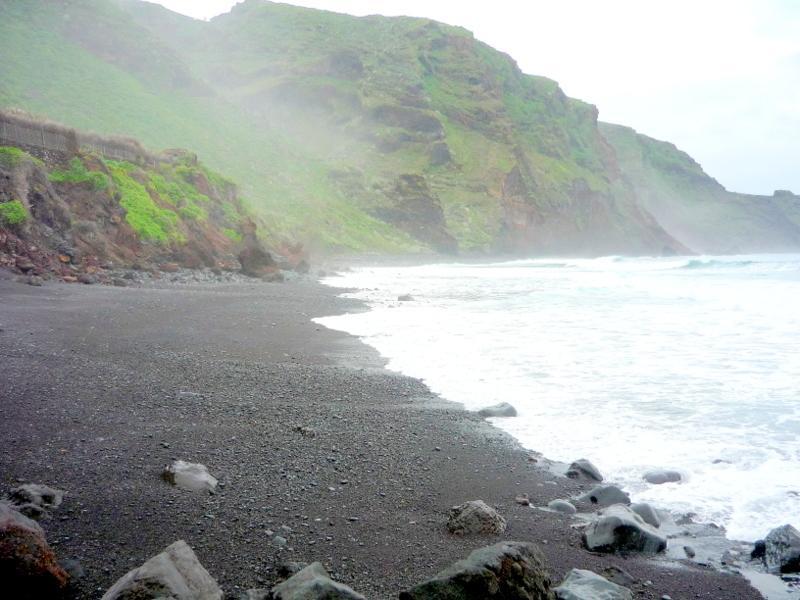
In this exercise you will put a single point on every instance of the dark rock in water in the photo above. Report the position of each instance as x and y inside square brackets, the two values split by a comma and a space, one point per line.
[648, 514]
[605, 495]
[562, 506]
[505, 571]
[759, 549]
[504, 409]
[660, 476]
[175, 573]
[689, 551]
[619, 529]
[584, 469]
[405, 298]
[28, 567]
[782, 550]
[313, 583]
[475, 517]
[587, 585]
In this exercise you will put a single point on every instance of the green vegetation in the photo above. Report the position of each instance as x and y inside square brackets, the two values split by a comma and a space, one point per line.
[232, 234]
[78, 173]
[12, 213]
[11, 156]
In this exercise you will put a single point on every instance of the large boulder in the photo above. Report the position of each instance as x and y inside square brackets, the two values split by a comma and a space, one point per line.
[503, 409]
[619, 529]
[660, 476]
[584, 469]
[175, 574]
[256, 262]
[648, 513]
[562, 506]
[28, 567]
[586, 585]
[782, 550]
[189, 476]
[604, 495]
[505, 571]
[39, 495]
[474, 517]
[313, 583]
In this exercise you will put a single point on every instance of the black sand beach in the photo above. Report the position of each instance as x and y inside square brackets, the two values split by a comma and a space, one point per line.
[100, 387]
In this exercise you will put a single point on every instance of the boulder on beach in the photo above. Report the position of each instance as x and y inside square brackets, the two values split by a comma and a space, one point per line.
[312, 583]
[175, 574]
[584, 469]
[475, 517]
[604, 495]
[660, 476]
[507, 571]
[28, 567]
[503, 409]
[648, 513]
[39, 495]
[782, 550]
[562, 506]
[619, 529]
[189, 476]
[587, 585]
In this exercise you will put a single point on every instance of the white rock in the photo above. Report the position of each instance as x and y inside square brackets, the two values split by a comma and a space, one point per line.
[190, 476]
[586, 585]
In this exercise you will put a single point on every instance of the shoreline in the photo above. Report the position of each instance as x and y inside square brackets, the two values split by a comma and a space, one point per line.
[100, 397]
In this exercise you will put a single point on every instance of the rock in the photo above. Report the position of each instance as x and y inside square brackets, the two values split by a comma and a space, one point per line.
[586, 585]
[28, 567]
[175, 574]
[475, 517]
[504, 409]
[87, 279]
[117, 282]
[782, 550]
[405, 298]
[440, 154]
[35, 281]
[759, 549]
[648, 514]
[256, 262]
[189, 476]
[660, 476]
[583, 469]
[287, 569]
[619, 576]
[689, 551]
[523, 499]
[38, 495]
[32, 511]
[619, 529]
[605, 495]
[73, 568]
[504, 571]
[562, 506]
[24, 264]
[255, 594]
[312, 583]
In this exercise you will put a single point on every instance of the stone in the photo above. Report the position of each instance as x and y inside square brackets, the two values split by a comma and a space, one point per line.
[619, 576]
[475, 517]
[648, 514]
[289, 568]
[504, 409]
[605, 495]
[660, 476]
[73, 568]
[584, 469]
[24, 264]
[586, 585]
[504, 571]
[689, 552]
[255, 261]
[175, 574]
[405, 298]
[28, 567]
[189, 476]
[782, 550]
[562, 506]
[759, 549]
[311, 583]
[619, 529]
[523, 500]
[35, 281]
[39, 495]
[87, 279]
[117, 282]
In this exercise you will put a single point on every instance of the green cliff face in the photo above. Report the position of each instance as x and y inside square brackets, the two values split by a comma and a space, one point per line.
[355, 134]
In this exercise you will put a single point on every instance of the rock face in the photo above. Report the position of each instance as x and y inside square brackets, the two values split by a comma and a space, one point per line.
[605, 495]
[507, 571]
[189, 476]
[475, 517]
[586, 585]
[619, 529]
[175, 574]
[313, 583]
[583, 469]
[28, 567]
[256, 262]
[562, 506]
[661, 476]
[782, 550]
[504, 409]
[648, 513]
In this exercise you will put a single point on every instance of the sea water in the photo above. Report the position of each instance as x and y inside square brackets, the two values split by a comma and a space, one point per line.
[684, 363]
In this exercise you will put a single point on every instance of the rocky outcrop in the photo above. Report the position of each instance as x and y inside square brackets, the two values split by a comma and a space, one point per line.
[475, 517]
[189, 476]
[781, 550]
[503, 409]
[619, 529]
[586, 585]
[505, 571]
[175, 573]
[28, 567]
[584, 469]
[313, 583]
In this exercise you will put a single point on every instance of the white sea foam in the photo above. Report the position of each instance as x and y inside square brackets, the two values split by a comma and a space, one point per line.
[686, 363]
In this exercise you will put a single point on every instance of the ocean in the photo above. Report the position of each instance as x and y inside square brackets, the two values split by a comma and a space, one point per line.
[683, 363]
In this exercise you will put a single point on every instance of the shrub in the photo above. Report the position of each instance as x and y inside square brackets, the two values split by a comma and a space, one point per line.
[10, 156]
[78, 173]
[232, 234]
[13, 213]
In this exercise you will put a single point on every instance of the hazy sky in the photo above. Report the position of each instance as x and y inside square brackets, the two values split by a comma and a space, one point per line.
[719, 78]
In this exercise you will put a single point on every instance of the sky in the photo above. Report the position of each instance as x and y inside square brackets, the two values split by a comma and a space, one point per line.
[718, 78]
